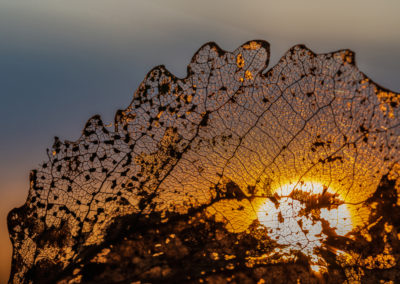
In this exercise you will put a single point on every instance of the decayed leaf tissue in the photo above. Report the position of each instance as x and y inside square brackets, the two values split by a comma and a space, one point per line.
[232, 174]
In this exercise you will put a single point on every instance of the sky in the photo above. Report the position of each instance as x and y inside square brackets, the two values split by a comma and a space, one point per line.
[63, 61]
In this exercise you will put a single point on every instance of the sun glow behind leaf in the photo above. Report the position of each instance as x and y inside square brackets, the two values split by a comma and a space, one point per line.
[300, 225]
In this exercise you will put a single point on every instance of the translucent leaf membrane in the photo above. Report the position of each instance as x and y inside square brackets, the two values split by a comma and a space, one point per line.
[232, 174]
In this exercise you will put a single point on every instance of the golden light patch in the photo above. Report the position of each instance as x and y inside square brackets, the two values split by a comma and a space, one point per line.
[248, 75]
[240, 61]
[252, 45]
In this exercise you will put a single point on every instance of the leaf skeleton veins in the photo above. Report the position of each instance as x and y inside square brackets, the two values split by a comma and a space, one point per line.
[174, 190]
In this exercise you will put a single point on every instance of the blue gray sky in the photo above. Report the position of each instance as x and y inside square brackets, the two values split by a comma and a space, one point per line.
[64, 61]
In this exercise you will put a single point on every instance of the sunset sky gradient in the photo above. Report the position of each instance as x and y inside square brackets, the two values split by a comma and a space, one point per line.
[63, 61]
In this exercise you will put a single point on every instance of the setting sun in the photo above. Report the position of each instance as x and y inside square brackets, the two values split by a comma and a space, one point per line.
[301, 216]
